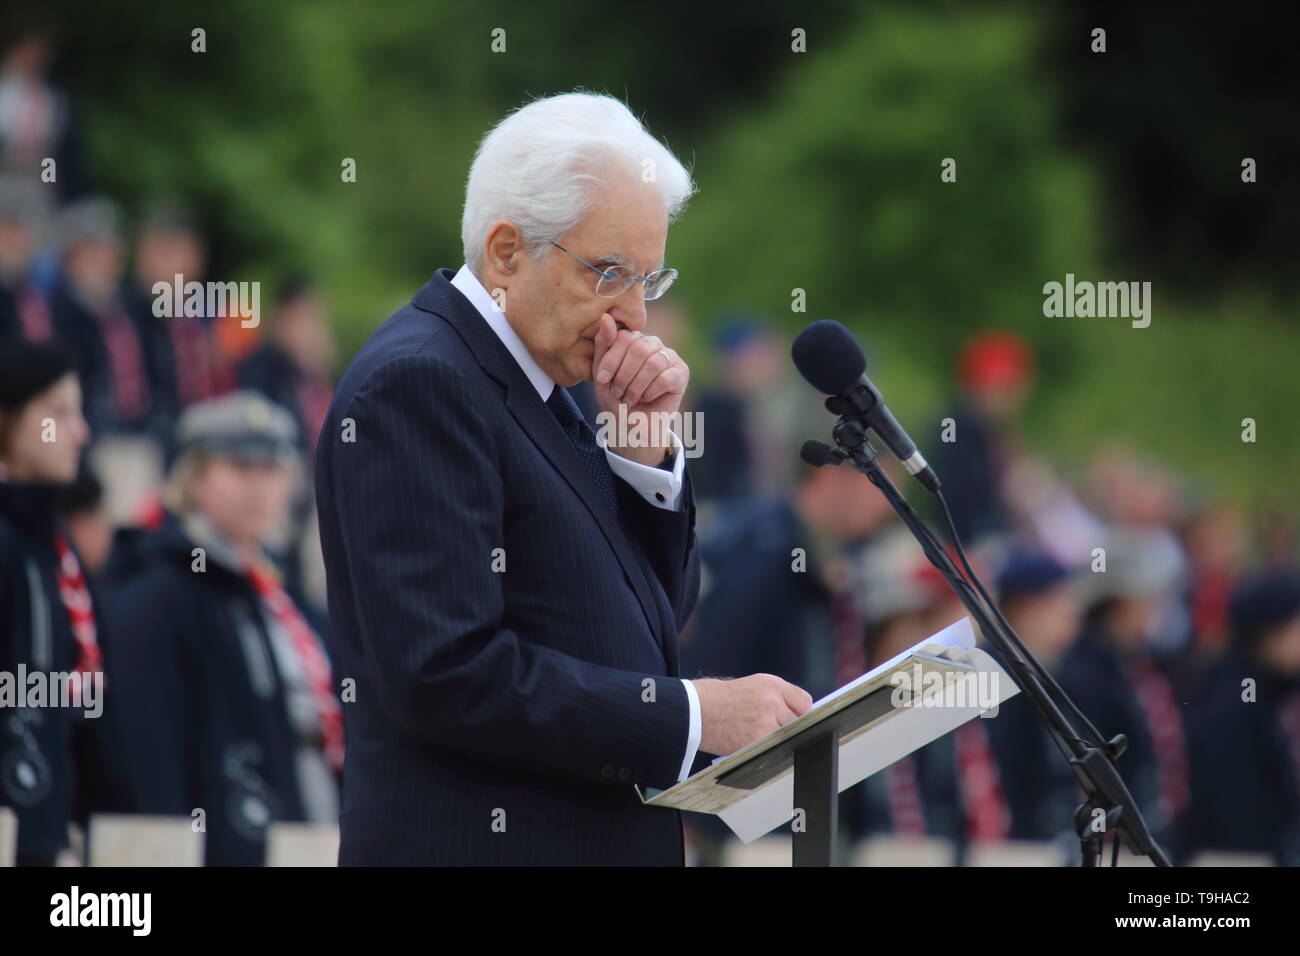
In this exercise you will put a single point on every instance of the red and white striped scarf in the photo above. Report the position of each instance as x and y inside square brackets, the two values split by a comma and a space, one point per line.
[1160, 708]
[904, 794]
[315, 664]
[987, 815]
[130, 379]
[76, 599]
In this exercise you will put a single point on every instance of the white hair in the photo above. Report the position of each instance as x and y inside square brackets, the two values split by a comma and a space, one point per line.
[542, 166]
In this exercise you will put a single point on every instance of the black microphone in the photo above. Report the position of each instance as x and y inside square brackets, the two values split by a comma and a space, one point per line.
[826, 354]
[818, 453]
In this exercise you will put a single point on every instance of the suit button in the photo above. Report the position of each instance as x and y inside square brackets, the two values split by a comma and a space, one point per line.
[607, 771]
[625, 774]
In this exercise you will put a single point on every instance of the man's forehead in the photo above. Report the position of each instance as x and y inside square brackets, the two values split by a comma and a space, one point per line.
[617, 230]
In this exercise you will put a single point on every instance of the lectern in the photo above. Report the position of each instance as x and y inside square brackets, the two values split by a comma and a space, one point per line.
[796, 772]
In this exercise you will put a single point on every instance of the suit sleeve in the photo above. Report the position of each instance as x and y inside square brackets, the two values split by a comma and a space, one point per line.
[419, 504]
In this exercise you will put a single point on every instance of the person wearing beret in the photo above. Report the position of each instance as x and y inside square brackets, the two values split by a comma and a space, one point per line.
[1038, 596]
[234, 715]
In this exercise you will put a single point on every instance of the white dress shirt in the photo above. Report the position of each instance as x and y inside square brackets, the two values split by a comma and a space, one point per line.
[659, 487]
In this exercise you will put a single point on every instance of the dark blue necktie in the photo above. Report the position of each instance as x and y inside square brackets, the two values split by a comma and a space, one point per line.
[580, 434]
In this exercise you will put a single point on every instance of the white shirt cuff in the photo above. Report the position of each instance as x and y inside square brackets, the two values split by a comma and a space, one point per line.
[661, 488]
[693, 736]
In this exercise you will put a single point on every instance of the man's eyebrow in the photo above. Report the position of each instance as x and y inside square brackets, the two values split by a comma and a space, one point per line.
[624, 261]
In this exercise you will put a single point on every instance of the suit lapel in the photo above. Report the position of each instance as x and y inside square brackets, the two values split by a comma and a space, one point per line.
[441, 298]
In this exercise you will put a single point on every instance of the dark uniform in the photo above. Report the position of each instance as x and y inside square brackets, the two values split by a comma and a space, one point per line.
[222, 718]
[756, 616]
[55, 762]
[1041, 791]
[1040, 788]
[917, 795]
[1244, 730]
[111, 350]
[1245, 778]
[83, 332]
[1102, 682]
[273, 372]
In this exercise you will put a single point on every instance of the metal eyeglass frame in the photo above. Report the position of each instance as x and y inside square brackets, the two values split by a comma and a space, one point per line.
[631, 280]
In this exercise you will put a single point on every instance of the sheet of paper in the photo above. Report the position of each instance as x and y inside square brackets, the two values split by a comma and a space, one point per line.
[958, 634]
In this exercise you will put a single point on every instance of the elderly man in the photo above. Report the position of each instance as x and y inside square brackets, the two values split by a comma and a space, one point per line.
[507, 593]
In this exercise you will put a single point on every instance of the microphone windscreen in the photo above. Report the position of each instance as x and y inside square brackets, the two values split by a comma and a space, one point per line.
[816, 453]
[826, 354]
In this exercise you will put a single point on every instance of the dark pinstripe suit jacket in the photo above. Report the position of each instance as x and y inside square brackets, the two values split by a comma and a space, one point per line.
[500, 716]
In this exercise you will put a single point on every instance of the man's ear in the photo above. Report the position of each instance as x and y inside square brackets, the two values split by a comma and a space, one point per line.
[502, 248]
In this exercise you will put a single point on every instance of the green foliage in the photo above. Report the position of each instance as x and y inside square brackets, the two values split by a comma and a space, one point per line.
[836, 188]
[818, 171]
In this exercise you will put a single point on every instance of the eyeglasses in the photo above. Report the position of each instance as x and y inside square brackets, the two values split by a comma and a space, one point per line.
[616, 280]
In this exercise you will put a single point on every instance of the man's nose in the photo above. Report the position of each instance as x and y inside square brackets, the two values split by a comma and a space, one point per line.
[630, 312]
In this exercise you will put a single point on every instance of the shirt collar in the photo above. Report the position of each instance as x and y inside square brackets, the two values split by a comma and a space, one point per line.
[481, 299]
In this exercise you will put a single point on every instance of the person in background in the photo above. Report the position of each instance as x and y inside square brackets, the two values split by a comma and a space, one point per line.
[995, 371]
[991, 779]
[1216, 540]
[958, 788]
[91, 318]
[1279, 534]
[1040, 601]
[295, 367]
[1145, 500]
[24, 309]
[233, 708]
[726, 471]
[916, 795]
[751, 417]
[779, 595]
[1123, 688]
[1245, 727]
[81, 504]
[184, 361]
[36, 120]
[53, 763]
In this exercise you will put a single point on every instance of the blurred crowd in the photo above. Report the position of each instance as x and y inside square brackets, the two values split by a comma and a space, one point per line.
[157, 526]
[1168, 615]
[156, 517]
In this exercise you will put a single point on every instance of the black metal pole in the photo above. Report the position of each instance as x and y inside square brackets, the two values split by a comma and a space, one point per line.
[1091, 758]
[817, 796]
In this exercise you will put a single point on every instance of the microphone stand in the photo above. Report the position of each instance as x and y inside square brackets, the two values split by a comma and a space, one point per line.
[1108, 805]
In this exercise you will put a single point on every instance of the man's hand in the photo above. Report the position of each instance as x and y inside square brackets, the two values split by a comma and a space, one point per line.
[637, 375]
[735, 713]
